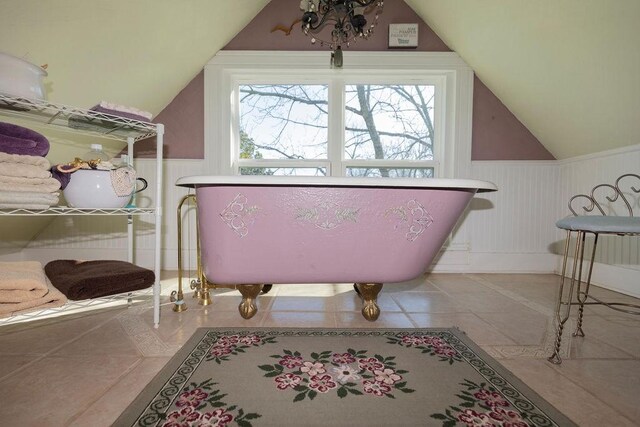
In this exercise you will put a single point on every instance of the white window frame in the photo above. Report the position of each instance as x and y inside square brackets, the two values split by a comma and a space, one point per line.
[228, 69]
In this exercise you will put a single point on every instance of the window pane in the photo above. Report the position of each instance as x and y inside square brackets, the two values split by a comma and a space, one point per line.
[392, 122]
[284, 171]
[283, 121]
[390, 172]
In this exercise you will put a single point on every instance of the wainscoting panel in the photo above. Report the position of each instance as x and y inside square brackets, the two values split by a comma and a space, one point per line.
[511, 230]
[520, 216]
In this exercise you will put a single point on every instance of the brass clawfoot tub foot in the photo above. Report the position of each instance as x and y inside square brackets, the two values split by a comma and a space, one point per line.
[369, 293]
[248, 307]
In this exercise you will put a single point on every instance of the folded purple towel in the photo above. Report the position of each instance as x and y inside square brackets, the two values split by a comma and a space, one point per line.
[19, 140]
[126, 114]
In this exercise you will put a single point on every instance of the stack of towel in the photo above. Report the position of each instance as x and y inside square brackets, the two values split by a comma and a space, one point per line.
[25, 177]
[24, 287]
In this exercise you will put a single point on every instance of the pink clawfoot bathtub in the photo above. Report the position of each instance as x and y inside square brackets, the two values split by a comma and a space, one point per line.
[262, 230]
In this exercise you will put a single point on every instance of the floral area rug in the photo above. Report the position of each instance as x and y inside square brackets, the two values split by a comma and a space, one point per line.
[335, 377]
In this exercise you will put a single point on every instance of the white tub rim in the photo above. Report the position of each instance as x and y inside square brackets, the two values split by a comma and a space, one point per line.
[320, 181]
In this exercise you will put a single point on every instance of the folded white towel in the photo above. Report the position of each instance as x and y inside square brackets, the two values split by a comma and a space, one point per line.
[25, 180]
[49, 185]
[41, 162]
[23, 170]
[18, 199]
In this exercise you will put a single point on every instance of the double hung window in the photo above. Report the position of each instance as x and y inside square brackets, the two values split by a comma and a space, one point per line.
[288, 113]
[365, 130]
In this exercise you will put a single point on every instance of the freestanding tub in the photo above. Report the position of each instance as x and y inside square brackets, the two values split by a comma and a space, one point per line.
[262, 230]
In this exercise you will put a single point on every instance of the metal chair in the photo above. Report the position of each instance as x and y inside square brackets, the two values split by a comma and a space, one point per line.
[596, 225]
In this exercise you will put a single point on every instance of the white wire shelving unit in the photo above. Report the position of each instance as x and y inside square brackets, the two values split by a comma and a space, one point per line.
[101, 125]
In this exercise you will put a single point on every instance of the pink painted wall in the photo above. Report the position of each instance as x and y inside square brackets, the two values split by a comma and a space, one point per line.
[497, 133]
[257, 34]
[183, 121]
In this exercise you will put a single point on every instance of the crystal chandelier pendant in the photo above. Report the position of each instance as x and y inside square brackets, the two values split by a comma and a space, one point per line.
[338, 23]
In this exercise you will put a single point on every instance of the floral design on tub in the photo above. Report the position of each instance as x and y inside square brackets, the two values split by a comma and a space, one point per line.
[412, 216]
[238, 216]
[328, 215]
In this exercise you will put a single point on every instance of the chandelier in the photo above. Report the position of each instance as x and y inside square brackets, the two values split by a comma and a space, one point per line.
[341, 22]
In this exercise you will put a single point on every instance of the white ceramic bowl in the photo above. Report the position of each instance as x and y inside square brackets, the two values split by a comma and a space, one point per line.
[90, 188]
[20, 78]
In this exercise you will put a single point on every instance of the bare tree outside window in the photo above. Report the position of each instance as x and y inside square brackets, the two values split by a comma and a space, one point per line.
[382, 123]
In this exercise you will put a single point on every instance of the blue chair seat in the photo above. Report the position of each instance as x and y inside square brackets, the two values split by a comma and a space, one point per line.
[601, 224]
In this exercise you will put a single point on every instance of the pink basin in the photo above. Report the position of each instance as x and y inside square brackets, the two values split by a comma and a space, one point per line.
[324, 230]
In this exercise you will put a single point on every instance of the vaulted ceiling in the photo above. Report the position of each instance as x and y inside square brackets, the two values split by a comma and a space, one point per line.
[568, 69]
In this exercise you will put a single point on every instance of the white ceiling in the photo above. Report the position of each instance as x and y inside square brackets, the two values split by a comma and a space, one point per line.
[568, 69]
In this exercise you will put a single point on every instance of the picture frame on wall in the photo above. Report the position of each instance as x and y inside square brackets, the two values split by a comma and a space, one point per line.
[403, 36]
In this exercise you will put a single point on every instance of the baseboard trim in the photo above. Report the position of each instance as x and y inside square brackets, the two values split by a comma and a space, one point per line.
[494, 262]
[618, 278]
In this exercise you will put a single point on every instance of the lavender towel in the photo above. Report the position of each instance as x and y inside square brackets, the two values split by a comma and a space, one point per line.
[19, 140]
[115, 112]
[63, 178]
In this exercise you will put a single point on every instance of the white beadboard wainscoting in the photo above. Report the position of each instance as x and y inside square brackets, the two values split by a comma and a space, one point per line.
[511, 230]
[618, 258]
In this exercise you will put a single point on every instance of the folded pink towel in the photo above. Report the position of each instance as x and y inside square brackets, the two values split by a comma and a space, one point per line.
[24, 287]
[22, 281]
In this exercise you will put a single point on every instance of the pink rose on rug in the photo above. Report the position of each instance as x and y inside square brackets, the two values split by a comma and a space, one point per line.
[491, 398]
[221, 351]
[313, 368]
[370, 364]
[410, 340]
[473, 418]
[250, 340]
[291, 362]
[288, 380]
[182, 418]
[377, 389]
[322, 383]
[508, 418]
[387, 376]
[192, 398]
[445, 351]
[228, 341]
[343, 359]
[219, 417]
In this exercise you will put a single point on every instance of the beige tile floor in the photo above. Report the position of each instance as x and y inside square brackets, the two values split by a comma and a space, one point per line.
[83, 369]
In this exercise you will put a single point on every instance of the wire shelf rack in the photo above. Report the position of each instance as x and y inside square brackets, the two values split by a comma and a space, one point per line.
[129, 298]
[78, 119]
[64, 210]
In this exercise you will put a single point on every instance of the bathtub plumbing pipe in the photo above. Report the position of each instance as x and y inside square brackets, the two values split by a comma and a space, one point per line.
[178, 297]
[197, 285]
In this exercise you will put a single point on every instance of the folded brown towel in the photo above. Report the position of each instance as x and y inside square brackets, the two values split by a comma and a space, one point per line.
[80, 280]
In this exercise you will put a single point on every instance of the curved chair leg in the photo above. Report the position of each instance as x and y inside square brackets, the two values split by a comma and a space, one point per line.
[369, 293]
[582, 296]
[248, 307]
[561, 318]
